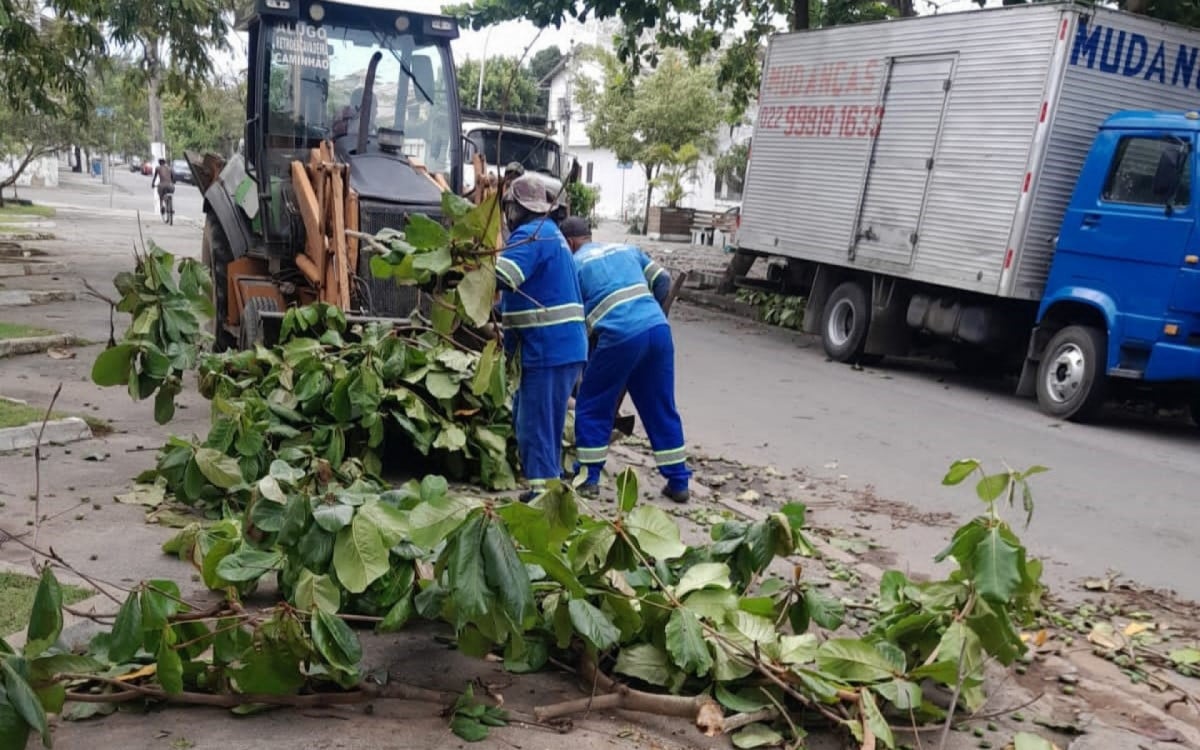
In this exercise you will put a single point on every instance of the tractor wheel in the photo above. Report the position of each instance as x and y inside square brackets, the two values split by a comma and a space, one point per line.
[217, 255]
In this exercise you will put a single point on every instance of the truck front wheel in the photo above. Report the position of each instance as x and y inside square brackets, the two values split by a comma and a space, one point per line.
[1071, 381]
[844, 322]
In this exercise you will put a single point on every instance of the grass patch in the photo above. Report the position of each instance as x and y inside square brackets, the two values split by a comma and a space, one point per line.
[18, 331]
[16, 600]
[13, 414]
[10, 211]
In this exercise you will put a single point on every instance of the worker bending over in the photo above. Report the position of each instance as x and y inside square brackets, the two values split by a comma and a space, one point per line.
[623, 292]
[542, 314]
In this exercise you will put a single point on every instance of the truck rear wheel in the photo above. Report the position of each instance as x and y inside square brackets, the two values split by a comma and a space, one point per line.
[1071, 381]
[844, 322]
[216, 254]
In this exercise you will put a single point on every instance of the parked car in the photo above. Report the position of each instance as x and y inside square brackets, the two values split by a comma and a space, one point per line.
[148, 167]
[135, 164]
[181, 171]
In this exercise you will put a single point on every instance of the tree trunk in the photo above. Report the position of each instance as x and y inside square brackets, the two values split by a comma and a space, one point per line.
[154, 72]
[649, 193]
[799, 17]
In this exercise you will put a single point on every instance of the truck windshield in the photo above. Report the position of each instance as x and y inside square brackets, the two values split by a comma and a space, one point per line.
[538, 154]
[316, 79]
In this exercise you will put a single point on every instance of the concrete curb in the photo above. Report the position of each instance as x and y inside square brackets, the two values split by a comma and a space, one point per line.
[26, 297]
[31, 236]
[35, 344]
[58, 432]
[10, 270]
[722, 302]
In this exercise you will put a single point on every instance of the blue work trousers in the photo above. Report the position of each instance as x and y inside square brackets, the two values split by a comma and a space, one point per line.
[645, 365]
[540, 413]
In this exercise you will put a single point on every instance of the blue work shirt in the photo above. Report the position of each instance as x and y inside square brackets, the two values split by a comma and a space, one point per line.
[623, 291]
[541, 306]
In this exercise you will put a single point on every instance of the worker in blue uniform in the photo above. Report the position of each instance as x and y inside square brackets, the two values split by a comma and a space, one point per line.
[543, 321]
[623, 291]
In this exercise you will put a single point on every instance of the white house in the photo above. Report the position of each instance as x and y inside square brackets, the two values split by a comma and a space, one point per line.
[622, 186]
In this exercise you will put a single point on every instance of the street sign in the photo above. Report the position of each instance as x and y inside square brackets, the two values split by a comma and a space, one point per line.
[624, 165]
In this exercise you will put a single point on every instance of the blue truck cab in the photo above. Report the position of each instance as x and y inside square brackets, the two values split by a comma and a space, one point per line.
[1121, 306]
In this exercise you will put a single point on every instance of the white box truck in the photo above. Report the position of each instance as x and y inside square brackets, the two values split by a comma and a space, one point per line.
[915, 177]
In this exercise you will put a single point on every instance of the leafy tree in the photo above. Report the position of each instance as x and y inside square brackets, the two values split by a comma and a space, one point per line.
[648, 118]
[544, 61]
[498, 72]
[215, 124]
[51, 48]
[730, 167]
[25, 138]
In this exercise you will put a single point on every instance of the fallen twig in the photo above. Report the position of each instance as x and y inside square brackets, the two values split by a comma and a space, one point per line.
[37, 467]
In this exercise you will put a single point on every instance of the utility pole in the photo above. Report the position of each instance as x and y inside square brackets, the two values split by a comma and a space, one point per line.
[482, 69]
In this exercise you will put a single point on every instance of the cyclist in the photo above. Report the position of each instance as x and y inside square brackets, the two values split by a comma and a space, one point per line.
[165, 179]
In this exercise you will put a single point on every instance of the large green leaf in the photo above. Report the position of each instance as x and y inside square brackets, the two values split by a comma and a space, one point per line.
[997, 563]
[475, 294]
[593, 625]
[248, 564]
[468, 579]
[756, 735]
[703, 576]
[333, 516]
[990, 488]
[646, 662]
[127, 630]
[655, 532]
[562, 513]
[221, 470]
[798, 649]
[270, 671]
[169, 663]
[627, 490]
[960, 470]
[435, 518]
[21, 697]
[316, 592]
[359, 555]
[112, 366]
[1027, 741]
[423, 233]
[45, 621]
[853, 661]
[874, 719]
[686, 643]
[335, 641]
[391, 522]
[824, 610]
[712, 604]
[506, 574]
[14, 732]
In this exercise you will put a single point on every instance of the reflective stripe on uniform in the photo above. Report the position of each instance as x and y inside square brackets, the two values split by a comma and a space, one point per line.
[591, 455]
[510, 271]
[546, 316]
[652, 272]
[671, 457]
[538, 483]
[618, 297]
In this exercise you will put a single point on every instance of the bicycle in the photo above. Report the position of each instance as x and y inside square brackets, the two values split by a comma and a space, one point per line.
[166, 208]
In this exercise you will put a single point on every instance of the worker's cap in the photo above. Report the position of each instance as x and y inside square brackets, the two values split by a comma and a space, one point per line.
[575, 226]
[529, 193]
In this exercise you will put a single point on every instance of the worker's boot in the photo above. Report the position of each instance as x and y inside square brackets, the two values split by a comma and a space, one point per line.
[676, 494]
[588, 491]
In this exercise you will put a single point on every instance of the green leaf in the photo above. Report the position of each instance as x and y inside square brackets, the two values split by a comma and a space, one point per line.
[655, 532]
[221, 470]
[686, 643]
[441, 385]
[960, 470]
[743, 701]
[756, 735]
[398, 616]
[712, 604]
[506, 574]
[483, 372]
[46, 620]
[316, 592]
[451, 437]
[528, 525]
[164, 404]
[359, 555]
[627, 490]
[826, 611]
[874, 718]
[248, 564]
[127, 631]
[285, 472]
[468, 580]
[853, 660]
[22, 698]
[468, 728]
[1027, 741]
[990, 488]
[391, 522]
[269, 489]
[112, 366]
[646, 662]
[594, 626]
[423, 233]
[335, 641]
[997, 564]
[703, 576]
[475, 294]
[170, 665]
[160, 602]
[1185, 657]
[798, 649]
[904, 695]
[14, 732]
[333, 516]
[437, 517]
[562, 513]
[271, 671]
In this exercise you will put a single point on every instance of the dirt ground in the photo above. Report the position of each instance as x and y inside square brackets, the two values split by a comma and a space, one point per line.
[853, 526]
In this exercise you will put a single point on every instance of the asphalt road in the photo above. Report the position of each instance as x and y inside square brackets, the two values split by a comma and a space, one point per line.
[1120, 495]
[131, 191]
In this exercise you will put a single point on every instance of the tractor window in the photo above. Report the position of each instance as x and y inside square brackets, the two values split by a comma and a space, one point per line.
[317, 75]
[1150, 172]
[536, 153]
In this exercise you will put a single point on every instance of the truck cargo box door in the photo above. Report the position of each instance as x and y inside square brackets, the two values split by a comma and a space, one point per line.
[901, 161]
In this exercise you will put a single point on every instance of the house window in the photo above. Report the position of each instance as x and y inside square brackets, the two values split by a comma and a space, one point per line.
[588, 179]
